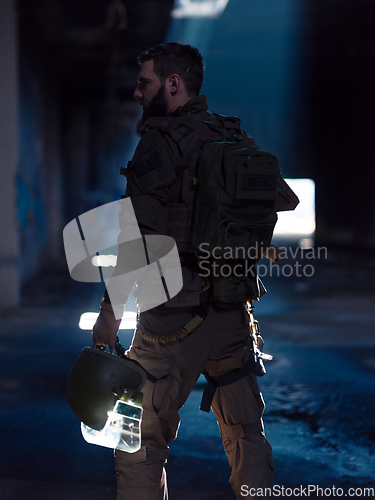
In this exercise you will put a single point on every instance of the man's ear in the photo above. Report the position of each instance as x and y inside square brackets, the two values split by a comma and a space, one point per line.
[174, 84]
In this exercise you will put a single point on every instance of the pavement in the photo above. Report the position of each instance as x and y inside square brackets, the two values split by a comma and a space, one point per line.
[319, 389]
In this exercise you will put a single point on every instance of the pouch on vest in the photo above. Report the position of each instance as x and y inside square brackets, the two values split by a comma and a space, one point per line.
[236, 285]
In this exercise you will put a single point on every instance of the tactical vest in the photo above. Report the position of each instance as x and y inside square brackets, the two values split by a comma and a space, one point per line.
[190, 219]
[189, 134]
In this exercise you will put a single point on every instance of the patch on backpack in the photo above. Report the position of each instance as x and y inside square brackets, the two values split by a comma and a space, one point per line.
[258, 182]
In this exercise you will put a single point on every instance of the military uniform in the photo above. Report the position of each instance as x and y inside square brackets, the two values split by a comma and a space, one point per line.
[160, 184]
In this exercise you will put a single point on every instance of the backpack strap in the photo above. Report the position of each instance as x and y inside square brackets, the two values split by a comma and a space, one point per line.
[180, 216]
[216, 128]
[175, 127]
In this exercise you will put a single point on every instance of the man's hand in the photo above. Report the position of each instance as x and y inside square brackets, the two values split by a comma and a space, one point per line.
[106, 327]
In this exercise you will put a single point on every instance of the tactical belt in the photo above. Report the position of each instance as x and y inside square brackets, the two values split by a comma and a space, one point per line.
[201, 312]
[226, 379]
[167, 339]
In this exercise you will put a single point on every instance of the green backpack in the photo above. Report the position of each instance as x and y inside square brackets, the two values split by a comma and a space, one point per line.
[233, 217]
[234, 213]
[237, 190]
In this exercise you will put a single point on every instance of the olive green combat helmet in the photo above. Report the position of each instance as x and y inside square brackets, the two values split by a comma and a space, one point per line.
[97, 380]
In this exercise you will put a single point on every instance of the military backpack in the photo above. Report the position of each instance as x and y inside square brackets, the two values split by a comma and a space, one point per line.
[235, 186]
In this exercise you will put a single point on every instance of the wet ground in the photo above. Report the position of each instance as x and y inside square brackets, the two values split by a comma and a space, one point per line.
[319, 390]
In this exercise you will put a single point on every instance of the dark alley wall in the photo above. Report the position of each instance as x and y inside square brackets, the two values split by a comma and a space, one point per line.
[40, 172]
[300, 76]
[9, 271]
[76, 115]
[96, 139]
[343, 119]
[75, 118]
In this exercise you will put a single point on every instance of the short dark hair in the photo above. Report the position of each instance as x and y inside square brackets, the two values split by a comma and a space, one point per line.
[180, 58]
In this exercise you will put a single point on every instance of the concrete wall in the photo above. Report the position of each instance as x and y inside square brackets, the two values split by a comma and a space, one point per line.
[31, 187]
[9, 251]
[97, 141]
[62, 145]
[40, 189]
[31, 218]
[342, 120]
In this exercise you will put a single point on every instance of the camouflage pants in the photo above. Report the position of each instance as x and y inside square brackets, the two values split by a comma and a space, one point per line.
[220, 344]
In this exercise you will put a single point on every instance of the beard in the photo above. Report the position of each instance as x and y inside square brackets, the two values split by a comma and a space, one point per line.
[158, 106]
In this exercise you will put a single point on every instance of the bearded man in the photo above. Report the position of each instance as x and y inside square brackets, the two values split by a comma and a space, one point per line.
[160, 184]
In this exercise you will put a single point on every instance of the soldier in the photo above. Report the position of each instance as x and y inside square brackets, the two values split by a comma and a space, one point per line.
[192, 333]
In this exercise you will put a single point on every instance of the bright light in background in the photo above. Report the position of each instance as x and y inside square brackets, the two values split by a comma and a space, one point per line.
[88, 319]
[104, 260]
[196, 8]
[300, 221]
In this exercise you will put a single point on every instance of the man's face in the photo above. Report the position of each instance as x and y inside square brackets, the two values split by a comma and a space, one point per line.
[151, 93]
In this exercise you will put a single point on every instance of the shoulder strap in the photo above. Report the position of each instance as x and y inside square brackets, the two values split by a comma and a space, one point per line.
[215, 127]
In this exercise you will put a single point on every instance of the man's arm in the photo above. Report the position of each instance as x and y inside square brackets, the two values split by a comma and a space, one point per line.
[151, 173]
